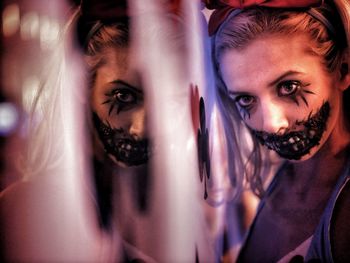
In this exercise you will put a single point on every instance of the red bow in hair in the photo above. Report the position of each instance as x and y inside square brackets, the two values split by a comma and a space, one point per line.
[224, 7]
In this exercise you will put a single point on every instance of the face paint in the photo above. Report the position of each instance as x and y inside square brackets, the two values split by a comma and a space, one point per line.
[294, 145]
[122, 98]
[122, 145]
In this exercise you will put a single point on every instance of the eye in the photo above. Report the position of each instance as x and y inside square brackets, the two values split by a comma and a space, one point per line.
[245, 101]
[125, 96]
[288, 88]
[244, 105]
[123, 99]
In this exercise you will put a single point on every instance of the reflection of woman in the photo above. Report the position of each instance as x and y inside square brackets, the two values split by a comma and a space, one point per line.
[283, 73]
[117, 97]
[118, 106]
[117, 103]
[120, 152]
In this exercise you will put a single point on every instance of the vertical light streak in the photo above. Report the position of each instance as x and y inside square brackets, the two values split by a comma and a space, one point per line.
[200, 74]
[49, 215]
[176, 218]
[10, 20]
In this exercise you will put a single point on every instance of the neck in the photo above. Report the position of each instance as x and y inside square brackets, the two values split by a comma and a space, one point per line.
[329, 161]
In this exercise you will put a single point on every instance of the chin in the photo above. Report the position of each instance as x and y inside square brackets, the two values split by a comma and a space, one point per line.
[122, 164]
[303, 158]
[296, 157]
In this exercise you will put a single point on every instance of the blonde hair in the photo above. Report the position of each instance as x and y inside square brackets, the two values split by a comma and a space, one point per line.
[330, 39]
[107, 36]
[44, 150]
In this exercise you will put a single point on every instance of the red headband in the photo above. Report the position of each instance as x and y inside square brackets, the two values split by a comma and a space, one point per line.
[224, 7]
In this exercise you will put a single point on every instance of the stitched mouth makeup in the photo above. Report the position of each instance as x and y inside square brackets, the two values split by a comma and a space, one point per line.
[122, 145]
[295, 144]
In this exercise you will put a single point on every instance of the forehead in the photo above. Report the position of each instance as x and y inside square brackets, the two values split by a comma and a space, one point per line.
[266, 58]
[115, 57]
[117, 62]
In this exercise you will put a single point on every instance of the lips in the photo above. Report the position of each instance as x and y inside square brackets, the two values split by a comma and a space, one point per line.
[122, 145]
[130, 152]
[294, 145]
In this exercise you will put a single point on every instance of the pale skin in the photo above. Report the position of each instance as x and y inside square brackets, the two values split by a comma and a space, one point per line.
[265, 78]
[117, 96]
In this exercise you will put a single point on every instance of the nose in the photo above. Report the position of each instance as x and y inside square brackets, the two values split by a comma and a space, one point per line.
[274, 118]
[137, 126]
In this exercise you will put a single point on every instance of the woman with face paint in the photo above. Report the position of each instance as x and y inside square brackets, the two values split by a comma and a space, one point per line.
[282, 70]
[57, 220]
[119, 124]
[117, 98]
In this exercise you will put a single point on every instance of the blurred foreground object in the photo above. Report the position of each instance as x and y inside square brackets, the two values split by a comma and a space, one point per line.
[47, 216]
[55, 213]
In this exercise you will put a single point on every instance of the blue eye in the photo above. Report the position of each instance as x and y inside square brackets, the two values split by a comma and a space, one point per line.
[288, 88]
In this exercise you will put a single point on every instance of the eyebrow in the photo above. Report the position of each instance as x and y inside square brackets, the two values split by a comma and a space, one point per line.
[284, 75]
[237, 93]
[121, 82]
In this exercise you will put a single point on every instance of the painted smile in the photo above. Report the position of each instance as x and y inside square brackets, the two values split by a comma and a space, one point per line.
[128, 151]
[294, 145]
[122, 145]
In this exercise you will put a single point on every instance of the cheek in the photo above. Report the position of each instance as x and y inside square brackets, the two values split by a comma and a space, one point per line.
[283, 115]
[253, 120]
[94, 103]
[114, 120]
[99, 108]
[117, 121]
[335, 111]
[332, 96]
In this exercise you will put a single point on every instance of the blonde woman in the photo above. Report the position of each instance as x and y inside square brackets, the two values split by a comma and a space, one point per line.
[282, 73]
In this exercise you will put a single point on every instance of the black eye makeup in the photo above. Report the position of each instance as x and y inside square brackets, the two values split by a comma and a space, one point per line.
[122, 97]
[244, 103]
[294, 90]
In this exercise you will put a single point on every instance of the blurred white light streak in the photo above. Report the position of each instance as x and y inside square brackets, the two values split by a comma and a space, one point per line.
[190, 144]
[179, 217]
[8, 117]
[220, 187]
[29, 26]
[48, 32]
[54, 219]
[29, 89]
[10, 20]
